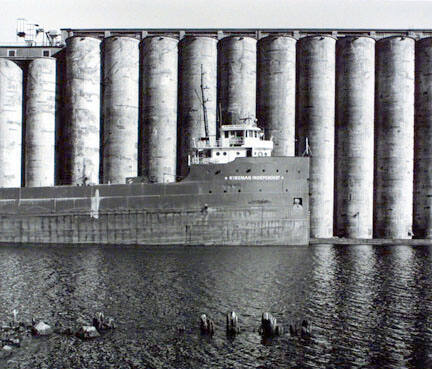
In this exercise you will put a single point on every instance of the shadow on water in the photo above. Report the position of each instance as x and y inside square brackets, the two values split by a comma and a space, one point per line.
[369, 306]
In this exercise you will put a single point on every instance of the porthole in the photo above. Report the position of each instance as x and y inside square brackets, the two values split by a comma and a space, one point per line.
[237, 153]
[239, 190]
[260, 190]
[286, 171]
[263, 170]
[248, 170]
[225, 191]
[218, 153]
[277, 170]
[286, 190]
[210, 191]
[237, 170]
[224, 153]
[217, 172]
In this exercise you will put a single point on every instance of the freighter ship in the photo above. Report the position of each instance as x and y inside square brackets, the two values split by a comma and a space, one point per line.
[235, 193]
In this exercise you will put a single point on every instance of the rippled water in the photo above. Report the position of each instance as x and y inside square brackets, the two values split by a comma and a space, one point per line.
[370, 306]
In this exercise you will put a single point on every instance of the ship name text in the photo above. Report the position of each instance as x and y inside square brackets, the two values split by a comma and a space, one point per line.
[253, 178]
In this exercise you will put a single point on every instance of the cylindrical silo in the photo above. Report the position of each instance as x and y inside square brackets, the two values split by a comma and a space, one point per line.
[159, 108]
[11, 86]
[315, 123]
[237, 78]
[276, 91]
[40, 123]
[354, 156]
[120, 108]
[82, 112]
[394, 137]
[197, 85]
[422, 219]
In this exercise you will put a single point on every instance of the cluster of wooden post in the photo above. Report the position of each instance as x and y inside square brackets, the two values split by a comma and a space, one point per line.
[269, 326]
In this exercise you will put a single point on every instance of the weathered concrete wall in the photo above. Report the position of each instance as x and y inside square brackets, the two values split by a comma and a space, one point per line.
[11, 91]
[237, 78]
[40, 123]
[276, 91]
[354, 156]
[120, 108]
[422, 220]
[197, 59]
[316, 121]
[159, 108]
[394, 142]
[82, 112]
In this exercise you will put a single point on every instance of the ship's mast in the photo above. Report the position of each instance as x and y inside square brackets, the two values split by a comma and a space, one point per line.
[203, 102]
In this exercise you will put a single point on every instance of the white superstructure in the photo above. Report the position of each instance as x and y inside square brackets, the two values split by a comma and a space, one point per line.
[236, 140]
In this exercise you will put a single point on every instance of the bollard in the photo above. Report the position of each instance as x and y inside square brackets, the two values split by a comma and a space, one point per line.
[232, 326]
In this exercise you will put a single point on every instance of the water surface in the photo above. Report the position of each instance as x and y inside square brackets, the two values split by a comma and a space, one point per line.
[370, 306]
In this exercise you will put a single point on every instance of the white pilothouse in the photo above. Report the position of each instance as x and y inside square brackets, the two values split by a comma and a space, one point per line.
[236, 141]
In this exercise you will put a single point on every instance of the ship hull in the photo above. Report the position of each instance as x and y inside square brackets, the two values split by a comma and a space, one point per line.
[246, 202]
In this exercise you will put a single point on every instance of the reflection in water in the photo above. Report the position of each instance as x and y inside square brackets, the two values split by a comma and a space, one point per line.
[370, 306]
[321, 301]
[12, 284]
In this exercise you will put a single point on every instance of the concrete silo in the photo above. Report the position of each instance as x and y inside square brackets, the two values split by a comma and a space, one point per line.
[276, 91]
[159, 108]
[198, 66]
[120, 108]
[82, 110]
[237, 78]
[315, 124]
[394, 137]
[422, 219]
[11, 90]
[40, 118]
[354, 156]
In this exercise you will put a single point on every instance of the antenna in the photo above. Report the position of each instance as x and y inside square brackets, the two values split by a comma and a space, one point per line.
[220, 114]
[203, 101]
[307, 151]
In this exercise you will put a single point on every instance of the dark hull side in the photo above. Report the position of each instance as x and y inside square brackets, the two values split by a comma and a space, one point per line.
[245, 202]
